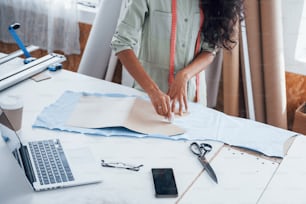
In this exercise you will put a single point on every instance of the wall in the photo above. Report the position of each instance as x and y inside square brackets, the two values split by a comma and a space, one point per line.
[292, 12]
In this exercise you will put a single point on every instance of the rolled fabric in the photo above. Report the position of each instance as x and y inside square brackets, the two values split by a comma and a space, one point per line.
[273, 61]
[97, 52]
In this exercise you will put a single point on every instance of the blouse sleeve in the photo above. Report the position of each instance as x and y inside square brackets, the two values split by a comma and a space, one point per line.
[127, 32]
[207, 47]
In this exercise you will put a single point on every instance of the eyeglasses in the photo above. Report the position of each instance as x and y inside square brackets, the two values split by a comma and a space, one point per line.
[121, 165]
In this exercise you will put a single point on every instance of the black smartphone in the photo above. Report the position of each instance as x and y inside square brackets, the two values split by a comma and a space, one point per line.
[164, 183]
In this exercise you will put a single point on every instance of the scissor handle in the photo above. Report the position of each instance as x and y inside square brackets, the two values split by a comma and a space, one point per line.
[207, 147]
[195, 148]
[200, 149]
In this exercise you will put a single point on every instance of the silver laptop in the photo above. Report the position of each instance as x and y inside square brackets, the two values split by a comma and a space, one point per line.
[46, 163]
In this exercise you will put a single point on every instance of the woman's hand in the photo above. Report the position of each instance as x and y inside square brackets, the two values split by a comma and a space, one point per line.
[178, 92]
[159, 100]
[161, 103]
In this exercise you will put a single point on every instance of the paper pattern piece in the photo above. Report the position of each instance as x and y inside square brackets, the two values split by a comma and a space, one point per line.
[41, 76]
[201, 123]
[130, 112]
[286, 185]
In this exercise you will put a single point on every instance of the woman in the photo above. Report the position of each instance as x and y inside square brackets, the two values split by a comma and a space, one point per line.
[177, 39]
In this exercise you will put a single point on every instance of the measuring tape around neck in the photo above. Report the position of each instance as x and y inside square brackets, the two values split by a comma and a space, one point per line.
[173, 45]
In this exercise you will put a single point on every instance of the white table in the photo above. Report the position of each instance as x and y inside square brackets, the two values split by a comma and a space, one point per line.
[243, 177]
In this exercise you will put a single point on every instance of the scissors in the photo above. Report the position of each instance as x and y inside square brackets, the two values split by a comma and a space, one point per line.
[200, 150]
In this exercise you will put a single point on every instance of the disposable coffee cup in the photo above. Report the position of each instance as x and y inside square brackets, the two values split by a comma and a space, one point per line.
[12, 106]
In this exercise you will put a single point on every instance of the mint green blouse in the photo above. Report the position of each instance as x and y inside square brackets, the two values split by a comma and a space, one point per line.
[146, 25]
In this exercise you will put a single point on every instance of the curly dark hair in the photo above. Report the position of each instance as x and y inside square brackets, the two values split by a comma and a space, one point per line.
[221, 17]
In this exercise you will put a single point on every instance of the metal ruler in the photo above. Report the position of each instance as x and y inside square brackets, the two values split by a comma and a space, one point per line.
[11, 75]
[17, 53]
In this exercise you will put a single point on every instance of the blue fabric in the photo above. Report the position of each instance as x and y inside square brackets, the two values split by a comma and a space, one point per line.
[201, 123]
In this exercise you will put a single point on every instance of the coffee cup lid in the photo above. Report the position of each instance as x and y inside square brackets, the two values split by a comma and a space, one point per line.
[10, 102]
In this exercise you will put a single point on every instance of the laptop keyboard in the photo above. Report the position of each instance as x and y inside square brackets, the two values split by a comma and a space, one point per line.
[50, 162]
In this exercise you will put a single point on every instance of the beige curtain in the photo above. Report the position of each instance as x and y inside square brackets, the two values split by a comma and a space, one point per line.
[265, 49]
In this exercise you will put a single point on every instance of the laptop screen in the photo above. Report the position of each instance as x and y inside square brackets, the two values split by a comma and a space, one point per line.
[14, 185]
[9, 135]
